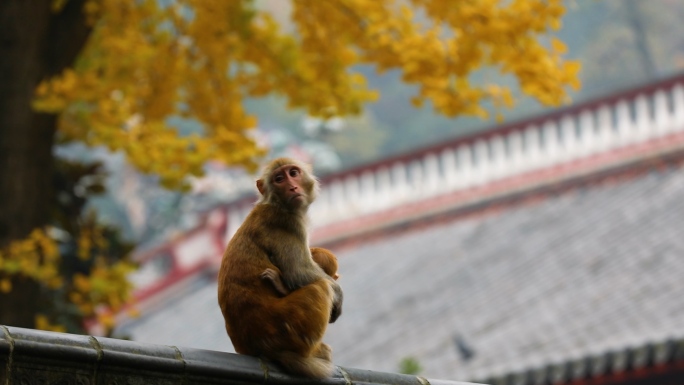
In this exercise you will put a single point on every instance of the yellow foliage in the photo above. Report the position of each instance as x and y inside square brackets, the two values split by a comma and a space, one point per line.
[133, 312]
[5, 286]
[43, 323]
[37, 257]
[106, 286]
[106, 320]
[147, 61]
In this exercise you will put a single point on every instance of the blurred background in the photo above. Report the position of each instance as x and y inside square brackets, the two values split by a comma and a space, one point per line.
[619, 43]
[540, 245]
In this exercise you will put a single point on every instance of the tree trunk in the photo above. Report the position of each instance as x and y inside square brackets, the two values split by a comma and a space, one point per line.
[35, 43]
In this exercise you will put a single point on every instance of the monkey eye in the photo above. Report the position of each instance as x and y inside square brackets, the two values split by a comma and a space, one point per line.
[282, 175]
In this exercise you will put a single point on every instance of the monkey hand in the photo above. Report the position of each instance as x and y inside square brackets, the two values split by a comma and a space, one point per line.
[274, 277]
[337, 302]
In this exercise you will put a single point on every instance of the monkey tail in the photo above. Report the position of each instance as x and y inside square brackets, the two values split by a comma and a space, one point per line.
[312, 367]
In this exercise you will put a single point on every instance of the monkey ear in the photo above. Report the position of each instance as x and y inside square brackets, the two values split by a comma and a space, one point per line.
[260, 186]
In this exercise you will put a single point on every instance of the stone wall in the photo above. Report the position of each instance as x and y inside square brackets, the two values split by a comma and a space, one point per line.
[29, 357]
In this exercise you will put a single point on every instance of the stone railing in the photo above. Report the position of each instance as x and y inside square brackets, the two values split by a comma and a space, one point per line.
[560, 137]
[514, 149]
[37, 357]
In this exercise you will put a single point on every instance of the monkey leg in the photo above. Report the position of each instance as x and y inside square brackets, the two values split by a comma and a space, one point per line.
[288, 330]
[304, 315]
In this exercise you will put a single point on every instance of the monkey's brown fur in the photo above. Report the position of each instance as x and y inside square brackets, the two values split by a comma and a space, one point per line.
[260, 322]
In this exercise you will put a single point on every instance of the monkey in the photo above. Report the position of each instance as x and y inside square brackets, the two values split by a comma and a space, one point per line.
[259, 320]
[324, 258]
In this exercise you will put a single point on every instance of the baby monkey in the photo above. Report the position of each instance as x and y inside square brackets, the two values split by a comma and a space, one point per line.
[324, 258]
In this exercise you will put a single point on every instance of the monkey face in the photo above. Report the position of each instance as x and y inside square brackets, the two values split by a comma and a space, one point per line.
[289, 184]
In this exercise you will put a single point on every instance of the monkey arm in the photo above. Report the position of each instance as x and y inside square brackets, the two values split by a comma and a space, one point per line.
[284, 242]
[328, 262]
[323, 257]
[337, 300]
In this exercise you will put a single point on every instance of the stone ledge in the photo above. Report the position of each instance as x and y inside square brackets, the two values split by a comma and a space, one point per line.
[30, 356]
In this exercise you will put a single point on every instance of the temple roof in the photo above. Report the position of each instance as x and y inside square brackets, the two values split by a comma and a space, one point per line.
[578, 276]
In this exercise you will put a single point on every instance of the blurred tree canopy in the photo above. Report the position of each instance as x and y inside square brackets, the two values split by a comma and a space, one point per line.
[112, 73]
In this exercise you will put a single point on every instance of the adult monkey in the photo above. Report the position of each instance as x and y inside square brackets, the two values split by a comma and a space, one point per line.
[259, 320]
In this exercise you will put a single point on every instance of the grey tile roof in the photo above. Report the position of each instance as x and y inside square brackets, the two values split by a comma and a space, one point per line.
[593, 270]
